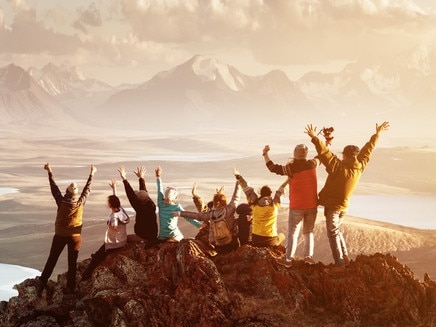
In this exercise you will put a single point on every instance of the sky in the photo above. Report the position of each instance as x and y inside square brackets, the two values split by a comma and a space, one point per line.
[129, 41]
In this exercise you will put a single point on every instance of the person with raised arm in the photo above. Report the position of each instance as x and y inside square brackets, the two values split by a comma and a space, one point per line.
[303, 201]
[265, 212]
[343, 177]
[116, 232]
[168, 204]
[68, 228]
[223, 231]
[146, 219]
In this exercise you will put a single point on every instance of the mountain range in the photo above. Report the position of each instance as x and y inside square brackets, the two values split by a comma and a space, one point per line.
[205, 94]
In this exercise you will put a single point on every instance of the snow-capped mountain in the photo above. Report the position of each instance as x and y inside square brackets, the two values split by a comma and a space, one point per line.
[23, 101]
[203, 93]
[64, 79]
[205, 90]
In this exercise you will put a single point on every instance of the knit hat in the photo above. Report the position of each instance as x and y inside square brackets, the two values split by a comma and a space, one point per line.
[300, 151]
[72, 189]
[351, 150]
[171, 195]
[142, 195]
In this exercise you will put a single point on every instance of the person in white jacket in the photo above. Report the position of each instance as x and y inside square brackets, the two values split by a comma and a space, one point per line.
[116, 233]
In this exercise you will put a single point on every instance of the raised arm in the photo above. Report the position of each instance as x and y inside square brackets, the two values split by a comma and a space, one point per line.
[140, 172]
[87, 189]
[248, 190]
[56, 193]
[128, 188]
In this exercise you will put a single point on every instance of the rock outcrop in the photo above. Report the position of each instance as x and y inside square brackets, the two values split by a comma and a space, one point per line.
[175, 284]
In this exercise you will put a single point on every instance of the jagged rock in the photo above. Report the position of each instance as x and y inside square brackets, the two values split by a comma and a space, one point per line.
[175, 284]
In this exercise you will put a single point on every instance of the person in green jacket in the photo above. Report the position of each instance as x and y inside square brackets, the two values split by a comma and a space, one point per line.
[342, 179]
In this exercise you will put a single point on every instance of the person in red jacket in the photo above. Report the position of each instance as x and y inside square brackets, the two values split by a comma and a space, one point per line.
[303, 200]
[342, 179]
[68, 228]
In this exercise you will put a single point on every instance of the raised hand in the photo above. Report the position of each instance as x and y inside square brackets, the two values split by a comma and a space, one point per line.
[47, 167]
[194, 189]
[382, 127]
[93, 170]
[310, 130]
[113, 184]
[140, 171]
[122, 172]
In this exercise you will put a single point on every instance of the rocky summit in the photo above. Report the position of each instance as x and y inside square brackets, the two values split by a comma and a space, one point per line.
[176, 284]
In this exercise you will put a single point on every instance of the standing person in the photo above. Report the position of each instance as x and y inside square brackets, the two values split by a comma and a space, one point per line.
[146, 219]
[68, 228]
[265, 211]
[168, 204]
[303, 200]
[116, 233]
[223, 233]
[342, 179]
[245, 220]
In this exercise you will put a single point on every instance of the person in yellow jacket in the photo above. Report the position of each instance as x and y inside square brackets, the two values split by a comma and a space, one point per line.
[342, 179]
[265, 211]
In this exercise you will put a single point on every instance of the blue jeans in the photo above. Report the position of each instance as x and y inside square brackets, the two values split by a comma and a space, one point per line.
[333, 222]
[308, 217]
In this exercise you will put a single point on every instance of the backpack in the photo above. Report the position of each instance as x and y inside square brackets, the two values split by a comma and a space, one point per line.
[221, 230]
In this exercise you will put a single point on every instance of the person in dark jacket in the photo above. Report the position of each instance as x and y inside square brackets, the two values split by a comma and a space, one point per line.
[146, 220]
[245, 219]
[343, 177]
[68, 228]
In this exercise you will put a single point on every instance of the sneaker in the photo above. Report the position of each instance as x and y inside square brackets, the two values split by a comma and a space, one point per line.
[308, 259]
[284, 262]
[335, 270]
[346, 260]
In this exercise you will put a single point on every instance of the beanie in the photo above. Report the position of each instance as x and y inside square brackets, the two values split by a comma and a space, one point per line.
[300, 151]
[72, 189]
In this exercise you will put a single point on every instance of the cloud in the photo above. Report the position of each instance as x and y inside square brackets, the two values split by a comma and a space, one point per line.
[284, 32]
[88, 17]
[265, 32]
[28, 35]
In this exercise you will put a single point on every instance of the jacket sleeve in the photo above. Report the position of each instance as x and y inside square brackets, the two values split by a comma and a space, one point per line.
[366, 152]
[236, 195]
[325, 156]
[248, 190]
[279, 192]
[160, 195]
[142, 186]
[57, 195]
[86, 190]
[130, 194]
[199, 204]
[202, 216]
[279, 169]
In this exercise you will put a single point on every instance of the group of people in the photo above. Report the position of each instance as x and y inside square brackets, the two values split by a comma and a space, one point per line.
[218, 230]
